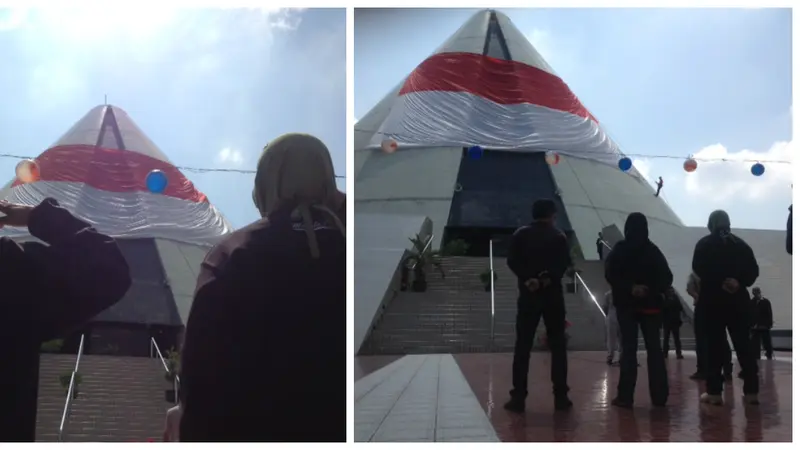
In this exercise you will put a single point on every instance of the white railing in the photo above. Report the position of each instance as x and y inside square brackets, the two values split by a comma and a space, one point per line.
[579, 280]
[155, 351]
[491, 284]
[424, 249]
[70, 392]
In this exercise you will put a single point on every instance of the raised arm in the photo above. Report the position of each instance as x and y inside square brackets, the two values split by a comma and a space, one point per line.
[64, 284]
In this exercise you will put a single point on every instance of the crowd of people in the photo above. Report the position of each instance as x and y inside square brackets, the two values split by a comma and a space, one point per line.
[242, 376]
[642, 297]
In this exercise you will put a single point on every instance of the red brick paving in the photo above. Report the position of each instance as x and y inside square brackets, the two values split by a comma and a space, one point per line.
[593, 386]
[365, 365]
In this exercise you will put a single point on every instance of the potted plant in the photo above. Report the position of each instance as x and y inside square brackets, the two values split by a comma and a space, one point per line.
[53, 346]
[421, 256]
[64, 379]
[173, 368]
[456, 247]
[486, 279]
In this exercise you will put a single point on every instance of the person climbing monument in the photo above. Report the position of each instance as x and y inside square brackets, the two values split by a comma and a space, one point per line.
[659, 185]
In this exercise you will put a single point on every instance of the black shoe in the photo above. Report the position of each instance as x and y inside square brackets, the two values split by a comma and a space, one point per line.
[622, 403]
[562, 403]
[515, 405]
[770, 357]
[697, 376]
[610, 361]
[680, 355]
[660, 403]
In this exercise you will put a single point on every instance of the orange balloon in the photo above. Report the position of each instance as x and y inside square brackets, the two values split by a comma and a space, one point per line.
[690, 165]
[28, 171]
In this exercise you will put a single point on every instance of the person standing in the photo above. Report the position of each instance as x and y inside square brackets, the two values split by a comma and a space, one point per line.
[659, 186]
[789, 232]
[265, 349]
[700, 336]
[763, 324]
[639, 275]
[599, 245]
[726, 266]
[51, 287]
[673, 310]
[612, 328]
[539, 256]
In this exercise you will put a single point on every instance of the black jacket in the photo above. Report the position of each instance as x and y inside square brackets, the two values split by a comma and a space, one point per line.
[789, 233]
[537, 249]
[265, 352]
[717, 258]
[762, 313]
[636, 260]
[49, 290]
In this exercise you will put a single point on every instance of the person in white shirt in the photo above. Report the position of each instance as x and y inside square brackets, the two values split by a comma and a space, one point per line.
[173, 424]
[612, 328]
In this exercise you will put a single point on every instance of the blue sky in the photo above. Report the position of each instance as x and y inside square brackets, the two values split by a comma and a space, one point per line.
[715, 83]
[209, 87]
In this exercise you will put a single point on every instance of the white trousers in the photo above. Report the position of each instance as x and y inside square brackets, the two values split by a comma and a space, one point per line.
[612, 333]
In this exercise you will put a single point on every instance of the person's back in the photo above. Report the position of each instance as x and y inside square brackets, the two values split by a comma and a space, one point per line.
[48, 291]
[265, 347]
[536, 249]
[717, 259]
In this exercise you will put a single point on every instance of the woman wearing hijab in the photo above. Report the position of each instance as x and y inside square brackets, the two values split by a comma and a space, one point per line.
[639, 276]
[727, 267]
[264, 357]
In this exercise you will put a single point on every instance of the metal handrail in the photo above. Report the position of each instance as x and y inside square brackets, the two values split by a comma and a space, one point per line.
[579, 278]
[427, 244]
[175, 382]
[491, 284]
[606, 244]
[70, 391]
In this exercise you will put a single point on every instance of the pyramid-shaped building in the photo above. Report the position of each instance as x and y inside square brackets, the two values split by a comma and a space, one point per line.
[487, 86]
[97, 170]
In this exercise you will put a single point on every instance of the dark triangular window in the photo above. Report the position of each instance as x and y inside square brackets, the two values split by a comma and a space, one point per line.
[495, 45]
[109, 136]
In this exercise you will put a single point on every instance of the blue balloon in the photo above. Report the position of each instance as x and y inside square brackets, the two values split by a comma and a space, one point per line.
[156, 181]
[625, 164]
[475, 152]
[757, 169]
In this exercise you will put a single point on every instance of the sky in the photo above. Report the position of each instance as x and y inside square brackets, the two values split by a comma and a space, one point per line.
[713, 83]
[211, 87]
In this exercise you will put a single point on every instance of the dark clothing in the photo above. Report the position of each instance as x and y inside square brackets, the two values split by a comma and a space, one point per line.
[535, 251]
[528, 314]
[49, 290]
[636, 260]
[734, 319]
[762, 310]
[789, 233]
[629, 323]
[701, 344]
[599, 245]
[673, 311]
[265, 350]
[675, 331]
[539, 251]
[758, 337]
[717, 257]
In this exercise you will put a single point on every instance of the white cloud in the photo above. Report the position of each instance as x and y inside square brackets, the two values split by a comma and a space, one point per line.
[643, 166]
[12, 18]
[727, 178]
[230, 156]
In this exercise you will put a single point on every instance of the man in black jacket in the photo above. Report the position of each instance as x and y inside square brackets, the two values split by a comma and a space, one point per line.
[763, 324]
[638, 274]
[539, 256]
[48, 291]
[726, 266]
[789, 232]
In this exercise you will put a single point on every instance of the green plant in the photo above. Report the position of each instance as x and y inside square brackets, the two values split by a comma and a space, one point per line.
[65, 378]
[456, 247]
[53, 346]
[486, 276]
[422, 256]
[173, 364]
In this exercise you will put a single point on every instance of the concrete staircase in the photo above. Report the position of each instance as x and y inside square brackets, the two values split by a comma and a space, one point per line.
[121, 399]
[454, 315]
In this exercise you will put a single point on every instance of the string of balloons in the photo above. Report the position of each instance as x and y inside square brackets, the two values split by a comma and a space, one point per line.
[625, 163]
[27, 171]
